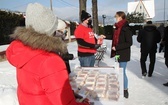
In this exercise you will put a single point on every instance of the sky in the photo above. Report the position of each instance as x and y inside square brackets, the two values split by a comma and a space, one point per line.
[69, 9]
[142, 91]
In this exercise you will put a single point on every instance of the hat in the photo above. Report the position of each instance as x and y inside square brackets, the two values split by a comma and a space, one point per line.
[61, 24]
[84, 15]
[41, 19]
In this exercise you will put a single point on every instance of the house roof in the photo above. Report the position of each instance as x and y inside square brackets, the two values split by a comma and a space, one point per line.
[143, 6]
[147, 4]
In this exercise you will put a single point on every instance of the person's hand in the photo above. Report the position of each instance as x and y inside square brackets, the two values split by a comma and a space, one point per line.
[113, 48]
[87, 101]
[103, 36]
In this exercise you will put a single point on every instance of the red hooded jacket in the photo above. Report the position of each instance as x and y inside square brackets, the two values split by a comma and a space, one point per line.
[41, 75]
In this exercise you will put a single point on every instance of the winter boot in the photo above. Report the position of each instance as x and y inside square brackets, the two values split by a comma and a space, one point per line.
[144, 75]
[126, 94]
[166, 84]
[149, 75]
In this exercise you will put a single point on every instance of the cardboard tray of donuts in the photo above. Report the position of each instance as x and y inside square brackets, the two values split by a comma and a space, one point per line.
[101, 85]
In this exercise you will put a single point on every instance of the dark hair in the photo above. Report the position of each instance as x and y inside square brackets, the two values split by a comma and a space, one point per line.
[149, 22]
[121, 14]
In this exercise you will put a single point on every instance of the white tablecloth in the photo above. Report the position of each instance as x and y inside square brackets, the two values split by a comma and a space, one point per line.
[109, 70]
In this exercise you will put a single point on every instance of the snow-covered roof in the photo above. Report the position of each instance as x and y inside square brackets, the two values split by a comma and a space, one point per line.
[148, 7]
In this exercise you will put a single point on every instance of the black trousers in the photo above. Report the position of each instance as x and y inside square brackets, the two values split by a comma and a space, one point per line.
[152, 57]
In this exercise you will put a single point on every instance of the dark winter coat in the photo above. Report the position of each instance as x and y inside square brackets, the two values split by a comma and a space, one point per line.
[161, 29]
[66, 57]
[165, 40]
[149, 36]
[124, 45]
[41, 73]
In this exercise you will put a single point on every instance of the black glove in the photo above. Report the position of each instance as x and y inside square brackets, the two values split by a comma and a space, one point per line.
[67, 56]
[77, 96]
[97, 46]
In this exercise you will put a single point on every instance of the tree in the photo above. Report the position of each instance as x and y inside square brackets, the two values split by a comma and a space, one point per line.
[95, 16]
[8, 22]
[135, 17]
[82, 5]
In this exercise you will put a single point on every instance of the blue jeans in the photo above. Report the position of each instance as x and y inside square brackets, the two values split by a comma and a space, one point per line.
[88, 61]
[123, 65]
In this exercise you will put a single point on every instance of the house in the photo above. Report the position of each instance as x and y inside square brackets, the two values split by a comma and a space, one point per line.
[144, 7]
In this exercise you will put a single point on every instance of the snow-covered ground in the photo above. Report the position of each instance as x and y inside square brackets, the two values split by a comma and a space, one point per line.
[147, 91]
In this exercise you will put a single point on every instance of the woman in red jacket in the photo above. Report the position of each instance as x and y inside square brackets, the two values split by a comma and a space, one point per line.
[41, 73]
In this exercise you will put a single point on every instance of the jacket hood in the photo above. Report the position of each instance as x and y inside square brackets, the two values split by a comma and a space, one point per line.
[35, 40]
[149, 27]
[29, 44]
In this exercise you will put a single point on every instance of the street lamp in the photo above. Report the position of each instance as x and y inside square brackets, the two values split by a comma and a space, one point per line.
[51, 4]
[103, 16]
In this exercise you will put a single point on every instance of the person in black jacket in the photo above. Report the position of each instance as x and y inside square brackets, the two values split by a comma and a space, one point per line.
[121, 43]
[67, 56]
[149, 36]
[161, 29]
[165, 43]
